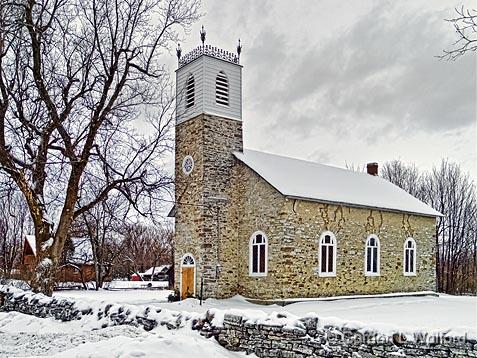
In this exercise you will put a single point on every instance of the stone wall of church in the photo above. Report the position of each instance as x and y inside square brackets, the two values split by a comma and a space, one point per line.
[202, 197]
[263, 206]
[293, 228]
[222, 137]
[188, 189]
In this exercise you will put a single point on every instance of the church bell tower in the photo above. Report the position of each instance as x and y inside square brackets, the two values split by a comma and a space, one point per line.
[208, 130]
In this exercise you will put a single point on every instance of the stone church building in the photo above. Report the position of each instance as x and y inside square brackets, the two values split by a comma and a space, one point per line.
[271, 227]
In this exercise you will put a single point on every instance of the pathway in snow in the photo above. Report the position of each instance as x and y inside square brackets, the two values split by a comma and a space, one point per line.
[26, 344]
[132, 297]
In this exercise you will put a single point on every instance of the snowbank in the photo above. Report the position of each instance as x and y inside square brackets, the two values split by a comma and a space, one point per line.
[118, 285]
[114, 308]
[26, 336]
[93, 314]
[271, 327]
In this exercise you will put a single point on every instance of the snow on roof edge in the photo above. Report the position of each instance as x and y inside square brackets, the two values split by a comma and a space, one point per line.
[241, 156]
[80, 254]
[157, 269]
[31, 242]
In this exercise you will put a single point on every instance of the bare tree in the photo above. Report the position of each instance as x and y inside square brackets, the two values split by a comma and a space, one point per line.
[121, 246]
[83, 94]
[76, 256]
[404, 176]
[103, 226]
[14, 221]
[453, 193]
[465, 25]
[147, 246]
[360, 168]
[447, 189]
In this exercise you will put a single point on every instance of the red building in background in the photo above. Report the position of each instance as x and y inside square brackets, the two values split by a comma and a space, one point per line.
[78, 266]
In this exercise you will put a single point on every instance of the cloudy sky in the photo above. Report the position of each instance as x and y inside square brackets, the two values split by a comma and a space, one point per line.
[349, 81]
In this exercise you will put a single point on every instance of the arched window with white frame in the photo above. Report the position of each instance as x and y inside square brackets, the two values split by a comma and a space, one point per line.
[372, 253]
[327, 254]
[258, 260]
[410, 257]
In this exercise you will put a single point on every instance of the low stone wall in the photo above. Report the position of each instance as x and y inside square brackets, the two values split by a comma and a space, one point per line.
[39, 306]
[307, 339]
[101, 316]
[292, 338]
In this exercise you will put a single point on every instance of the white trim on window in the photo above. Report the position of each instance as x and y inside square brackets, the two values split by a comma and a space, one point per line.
[187, 164]
[413, 249]
[327, 241]
[373, 243]
[259, 240]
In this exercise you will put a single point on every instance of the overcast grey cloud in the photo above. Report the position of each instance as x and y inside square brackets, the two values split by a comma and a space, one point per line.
[350, 82]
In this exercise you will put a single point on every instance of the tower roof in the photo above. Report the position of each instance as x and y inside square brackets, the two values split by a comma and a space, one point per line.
[208, 50]
[211, 51]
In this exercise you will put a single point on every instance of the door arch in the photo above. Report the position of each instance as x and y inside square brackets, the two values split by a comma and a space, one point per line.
[187, 287]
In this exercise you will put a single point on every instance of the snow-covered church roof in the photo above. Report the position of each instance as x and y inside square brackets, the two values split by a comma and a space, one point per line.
[302, 179]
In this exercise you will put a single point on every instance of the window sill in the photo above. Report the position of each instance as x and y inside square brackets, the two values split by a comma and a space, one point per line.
[372, 274]
[407, 274]
[320, 274]
[257, 274]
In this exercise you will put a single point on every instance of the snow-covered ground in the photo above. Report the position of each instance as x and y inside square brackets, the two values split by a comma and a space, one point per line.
[131, 297]
[385, 314]
[26, 336]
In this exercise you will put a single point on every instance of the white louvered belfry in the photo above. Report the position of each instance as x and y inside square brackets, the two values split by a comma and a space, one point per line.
[222, 89]
[190, 92]
[209, 81]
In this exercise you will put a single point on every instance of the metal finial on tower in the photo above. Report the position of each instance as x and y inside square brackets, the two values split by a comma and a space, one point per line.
[178, 51]
[202, 35]
[239, 49]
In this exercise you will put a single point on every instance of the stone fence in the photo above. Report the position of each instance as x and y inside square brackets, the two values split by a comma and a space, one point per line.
[300, 338]
[308, 339]
[100, 316]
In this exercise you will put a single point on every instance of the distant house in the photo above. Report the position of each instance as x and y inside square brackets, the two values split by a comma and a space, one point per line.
[29, 250]
[78, 264]
[158, 273]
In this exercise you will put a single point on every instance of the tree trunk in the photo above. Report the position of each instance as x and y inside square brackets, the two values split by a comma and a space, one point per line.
[48, 258]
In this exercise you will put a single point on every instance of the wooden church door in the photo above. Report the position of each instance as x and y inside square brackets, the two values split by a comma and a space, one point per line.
[187, 276]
